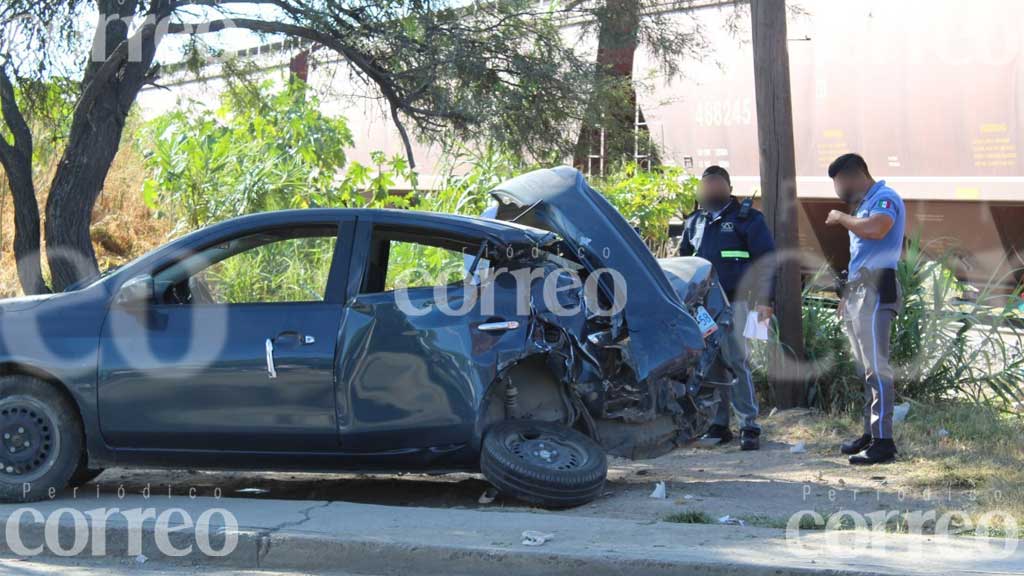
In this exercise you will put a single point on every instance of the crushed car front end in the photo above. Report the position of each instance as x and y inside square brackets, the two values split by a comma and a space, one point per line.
[612, 325]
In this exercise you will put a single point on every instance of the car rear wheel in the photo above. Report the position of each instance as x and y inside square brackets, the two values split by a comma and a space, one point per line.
[41, 440]
[543, 463]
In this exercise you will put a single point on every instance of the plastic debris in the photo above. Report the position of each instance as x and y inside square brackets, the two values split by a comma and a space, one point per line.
[252, 491]
[942, 433]
[488, 496]
[774, 411]
[798, 448]
[660, 492]
[729, 520]
[688, 497]
[899, 412]
[535, 538]
[141, 559]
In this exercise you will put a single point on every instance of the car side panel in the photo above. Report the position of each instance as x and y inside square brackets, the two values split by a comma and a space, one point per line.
[57, 340]
[417, 381]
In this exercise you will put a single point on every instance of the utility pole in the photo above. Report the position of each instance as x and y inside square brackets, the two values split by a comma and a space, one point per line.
[778, 188]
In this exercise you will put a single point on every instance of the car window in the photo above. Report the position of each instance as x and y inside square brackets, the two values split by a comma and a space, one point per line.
[289, 266]
[414, 265]
[292, 270]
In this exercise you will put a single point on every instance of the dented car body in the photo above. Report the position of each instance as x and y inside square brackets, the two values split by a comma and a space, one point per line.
[564, 318]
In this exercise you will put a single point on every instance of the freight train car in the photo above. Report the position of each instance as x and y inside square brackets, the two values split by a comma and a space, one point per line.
[930, 92]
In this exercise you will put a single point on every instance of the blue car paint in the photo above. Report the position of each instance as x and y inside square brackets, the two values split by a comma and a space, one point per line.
[379, 390]
[231, 415]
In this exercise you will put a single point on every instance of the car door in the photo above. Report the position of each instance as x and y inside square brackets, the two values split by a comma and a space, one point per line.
[237, 350]
[416, 354]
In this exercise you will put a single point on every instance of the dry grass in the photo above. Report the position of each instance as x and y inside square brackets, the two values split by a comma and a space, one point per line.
[972, 452]
[123, 226]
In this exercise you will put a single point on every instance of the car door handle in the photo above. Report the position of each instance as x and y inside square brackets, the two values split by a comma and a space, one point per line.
[498, 326]
[271, 369]
[291, 339]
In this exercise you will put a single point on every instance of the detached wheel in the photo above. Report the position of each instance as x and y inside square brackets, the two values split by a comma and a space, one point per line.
[543, 463]
[41, 441]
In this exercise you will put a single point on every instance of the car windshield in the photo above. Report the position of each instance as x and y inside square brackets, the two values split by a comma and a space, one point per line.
[90, 280]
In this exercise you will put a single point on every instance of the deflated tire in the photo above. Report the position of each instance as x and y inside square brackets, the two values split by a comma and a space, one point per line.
[543, 463]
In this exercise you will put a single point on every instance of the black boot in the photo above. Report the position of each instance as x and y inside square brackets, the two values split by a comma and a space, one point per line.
[716, 435]
[750, 439]
[882, 450]
[851, 447]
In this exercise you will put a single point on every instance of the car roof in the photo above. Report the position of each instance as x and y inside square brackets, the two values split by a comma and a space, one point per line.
[505, 232]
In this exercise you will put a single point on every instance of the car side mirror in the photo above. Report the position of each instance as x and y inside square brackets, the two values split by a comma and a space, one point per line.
[136, 292]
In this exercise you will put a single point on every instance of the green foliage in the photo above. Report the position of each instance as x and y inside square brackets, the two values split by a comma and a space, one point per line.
[468, 176]
[293, 270]
[689, 517]
[466, 180]
[47, 106]
[649, 199]
[942, 347]
[260, 151]
[833, 384]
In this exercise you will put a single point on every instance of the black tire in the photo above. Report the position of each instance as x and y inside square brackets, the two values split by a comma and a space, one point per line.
[83, 474]
[41, 426]
[543, 463]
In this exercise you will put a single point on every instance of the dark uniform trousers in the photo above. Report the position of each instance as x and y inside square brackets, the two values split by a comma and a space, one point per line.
[733, 241]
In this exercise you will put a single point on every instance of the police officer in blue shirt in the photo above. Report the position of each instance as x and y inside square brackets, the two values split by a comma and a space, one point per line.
[733, 236]
[871, 298]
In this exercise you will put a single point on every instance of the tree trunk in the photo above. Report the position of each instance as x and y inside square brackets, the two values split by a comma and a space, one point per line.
[93, 140]
[92, 145]
[16, 159]
[26, 225]
[613, 104]
[778, 186]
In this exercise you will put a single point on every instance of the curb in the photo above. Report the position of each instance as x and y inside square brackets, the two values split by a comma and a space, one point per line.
[304, 552]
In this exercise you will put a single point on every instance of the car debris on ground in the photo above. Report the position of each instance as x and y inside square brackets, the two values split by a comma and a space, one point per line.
[730, 521]
[660, 492]
[488, 496]
[535, 538]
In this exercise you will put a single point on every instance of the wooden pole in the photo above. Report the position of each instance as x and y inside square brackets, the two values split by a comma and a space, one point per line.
[778, 188]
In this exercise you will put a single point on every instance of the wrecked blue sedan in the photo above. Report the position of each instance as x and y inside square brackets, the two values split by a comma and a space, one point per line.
[527, 347]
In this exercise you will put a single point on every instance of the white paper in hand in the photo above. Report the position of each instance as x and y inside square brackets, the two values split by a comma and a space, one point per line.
[755, 330]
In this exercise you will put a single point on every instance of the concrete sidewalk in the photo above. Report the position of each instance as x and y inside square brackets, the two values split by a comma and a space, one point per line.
[338, 536]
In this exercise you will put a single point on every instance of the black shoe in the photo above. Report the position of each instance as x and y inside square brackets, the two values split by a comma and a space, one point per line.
[882, 450]
[750, 440]
[716, 435]
[851, 447]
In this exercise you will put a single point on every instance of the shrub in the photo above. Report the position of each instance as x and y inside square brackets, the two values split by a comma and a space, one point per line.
[259, 151]
[650, 199]
[943, 347]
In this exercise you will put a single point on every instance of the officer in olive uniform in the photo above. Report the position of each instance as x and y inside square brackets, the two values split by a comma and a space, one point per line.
[733, 236]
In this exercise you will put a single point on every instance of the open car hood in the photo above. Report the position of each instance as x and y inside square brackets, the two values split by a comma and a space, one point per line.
[662, 335]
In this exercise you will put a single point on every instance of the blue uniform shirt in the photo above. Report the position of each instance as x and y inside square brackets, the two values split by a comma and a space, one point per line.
[884, 253]
[733, 243]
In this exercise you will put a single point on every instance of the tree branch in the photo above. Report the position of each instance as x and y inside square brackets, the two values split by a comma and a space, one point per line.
[361, 61]
[404, 134]
[13, 117]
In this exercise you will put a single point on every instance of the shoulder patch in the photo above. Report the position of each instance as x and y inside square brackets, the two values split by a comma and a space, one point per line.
[886, 204]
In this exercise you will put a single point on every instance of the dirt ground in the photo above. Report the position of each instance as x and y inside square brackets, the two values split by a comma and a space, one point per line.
[763, 488]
